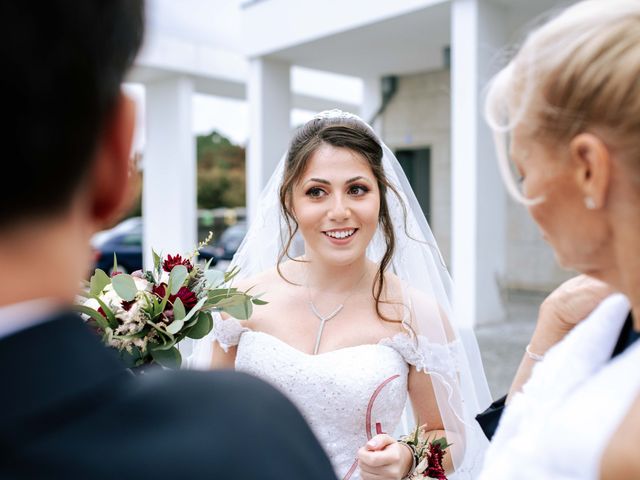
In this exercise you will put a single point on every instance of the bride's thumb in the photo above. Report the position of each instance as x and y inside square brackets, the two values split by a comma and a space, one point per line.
[379, 442]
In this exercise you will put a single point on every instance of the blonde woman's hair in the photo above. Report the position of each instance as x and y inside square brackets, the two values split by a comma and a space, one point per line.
[577, 72]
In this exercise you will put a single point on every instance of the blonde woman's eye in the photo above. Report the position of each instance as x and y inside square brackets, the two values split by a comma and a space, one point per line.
[315, 192]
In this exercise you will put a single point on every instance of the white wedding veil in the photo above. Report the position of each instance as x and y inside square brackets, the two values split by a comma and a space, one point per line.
[441, 348]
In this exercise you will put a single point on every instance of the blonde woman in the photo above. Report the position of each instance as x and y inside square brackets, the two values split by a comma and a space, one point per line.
[568, 106]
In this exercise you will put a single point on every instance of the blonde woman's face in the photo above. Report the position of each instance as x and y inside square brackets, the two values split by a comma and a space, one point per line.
[546, 173]
[336, 203]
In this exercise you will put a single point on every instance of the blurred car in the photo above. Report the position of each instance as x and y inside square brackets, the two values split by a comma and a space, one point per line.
[226, 246]
[125, 240]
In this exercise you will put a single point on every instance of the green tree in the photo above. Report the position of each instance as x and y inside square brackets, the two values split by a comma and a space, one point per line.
[221, 172]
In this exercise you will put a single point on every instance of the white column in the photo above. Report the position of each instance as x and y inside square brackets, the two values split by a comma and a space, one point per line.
[371, 101]
[478, 198]
[269, 98]
[169, 185]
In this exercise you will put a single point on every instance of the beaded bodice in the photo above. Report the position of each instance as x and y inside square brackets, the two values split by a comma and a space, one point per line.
[342, 394]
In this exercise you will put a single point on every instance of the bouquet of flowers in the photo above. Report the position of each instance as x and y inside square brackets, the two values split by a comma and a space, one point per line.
[429, 454]
[145, 314]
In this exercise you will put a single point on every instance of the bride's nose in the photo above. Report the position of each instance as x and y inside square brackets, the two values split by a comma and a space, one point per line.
[338, 210]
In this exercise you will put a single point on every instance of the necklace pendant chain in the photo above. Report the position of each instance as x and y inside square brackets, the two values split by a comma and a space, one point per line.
[314, 310]
[325, 319]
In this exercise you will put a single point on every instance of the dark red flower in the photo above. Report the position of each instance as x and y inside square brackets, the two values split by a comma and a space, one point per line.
[435, 468]
[187, 297]
[127, 305]
[171, 262]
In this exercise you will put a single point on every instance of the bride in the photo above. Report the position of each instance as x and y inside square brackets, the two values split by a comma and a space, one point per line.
[358, 321]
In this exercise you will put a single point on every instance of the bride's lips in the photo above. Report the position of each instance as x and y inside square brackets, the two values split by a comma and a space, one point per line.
[340, 236]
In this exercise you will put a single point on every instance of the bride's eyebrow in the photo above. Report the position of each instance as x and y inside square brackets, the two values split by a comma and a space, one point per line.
[318, 180]
[355, 179]
[327, 182]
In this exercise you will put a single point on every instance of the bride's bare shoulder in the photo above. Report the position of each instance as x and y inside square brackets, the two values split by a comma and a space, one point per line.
[420, 304]
[271, 279]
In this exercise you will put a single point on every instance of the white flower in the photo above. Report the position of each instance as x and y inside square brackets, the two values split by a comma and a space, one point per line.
[142, 284]
[92, 303]
[164, 277]
[111, 298]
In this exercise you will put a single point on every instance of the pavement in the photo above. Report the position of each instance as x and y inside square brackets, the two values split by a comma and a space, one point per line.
[502, 343]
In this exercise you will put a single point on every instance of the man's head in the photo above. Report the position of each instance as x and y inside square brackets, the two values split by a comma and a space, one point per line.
[67, 135]
[63, 64]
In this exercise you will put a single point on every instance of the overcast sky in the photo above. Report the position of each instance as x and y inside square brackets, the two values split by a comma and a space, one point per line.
[217, 22]
[230, 116]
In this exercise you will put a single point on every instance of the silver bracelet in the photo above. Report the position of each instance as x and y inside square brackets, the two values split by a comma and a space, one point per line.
[533, 356]
[414, 457]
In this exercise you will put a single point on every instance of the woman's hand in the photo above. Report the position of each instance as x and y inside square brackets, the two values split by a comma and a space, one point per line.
[565, 307]
[560, 312]
[384, 458]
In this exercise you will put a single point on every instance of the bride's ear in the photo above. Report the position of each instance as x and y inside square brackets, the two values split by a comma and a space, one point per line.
[109, 178]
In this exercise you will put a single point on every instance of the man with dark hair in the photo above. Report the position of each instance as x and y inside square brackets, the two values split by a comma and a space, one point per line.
[68, 408]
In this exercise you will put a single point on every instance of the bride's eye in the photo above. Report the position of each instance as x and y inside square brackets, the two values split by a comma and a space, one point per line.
[358, 190]
[315, 192]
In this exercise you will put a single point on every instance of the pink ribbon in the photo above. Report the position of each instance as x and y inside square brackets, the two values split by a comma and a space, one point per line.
[367, 422]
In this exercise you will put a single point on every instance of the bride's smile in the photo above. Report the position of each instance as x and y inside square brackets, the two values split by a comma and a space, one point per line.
[341, 236]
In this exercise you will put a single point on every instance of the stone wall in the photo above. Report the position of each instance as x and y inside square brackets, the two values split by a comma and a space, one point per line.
[419, 117]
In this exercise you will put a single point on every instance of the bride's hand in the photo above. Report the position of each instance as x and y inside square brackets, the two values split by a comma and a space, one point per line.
[383, 458]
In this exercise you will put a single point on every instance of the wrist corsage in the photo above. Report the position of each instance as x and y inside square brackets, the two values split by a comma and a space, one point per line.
[428, 454]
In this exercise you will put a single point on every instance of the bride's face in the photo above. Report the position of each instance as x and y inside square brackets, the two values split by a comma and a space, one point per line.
[336, 203]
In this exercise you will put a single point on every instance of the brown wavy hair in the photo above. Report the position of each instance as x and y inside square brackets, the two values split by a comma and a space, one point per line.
[352, 134]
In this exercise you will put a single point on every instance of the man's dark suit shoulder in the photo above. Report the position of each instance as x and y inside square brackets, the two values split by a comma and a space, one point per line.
[75, 412]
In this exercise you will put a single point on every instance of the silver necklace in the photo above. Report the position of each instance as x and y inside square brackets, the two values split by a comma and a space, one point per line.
[325, 319]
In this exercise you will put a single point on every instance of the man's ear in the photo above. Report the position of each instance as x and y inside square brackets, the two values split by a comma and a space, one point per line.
[593, 167]
[109, 180]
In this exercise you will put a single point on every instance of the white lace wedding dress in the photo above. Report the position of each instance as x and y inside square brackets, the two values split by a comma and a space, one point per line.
[342, 394]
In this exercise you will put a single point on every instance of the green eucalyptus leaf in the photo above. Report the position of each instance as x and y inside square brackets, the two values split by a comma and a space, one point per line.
[214, 296]
[257, 301]
[157, 260]
[214, 277]
[229, 275]
[177, 277]
[170, 358]
[166, 345]
[166, 337]
[99, 280]
[175, 326]
[133, 359]
[156, 306]
[163, 304]
[111, 318]
[202, 327]
[100, 320]
[124, 286]
[190, 323]
[195, 309]
[178, 310]
[239, 307]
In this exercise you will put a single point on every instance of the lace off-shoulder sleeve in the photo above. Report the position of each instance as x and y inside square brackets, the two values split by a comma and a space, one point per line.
[425, 355]
[227, 332]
